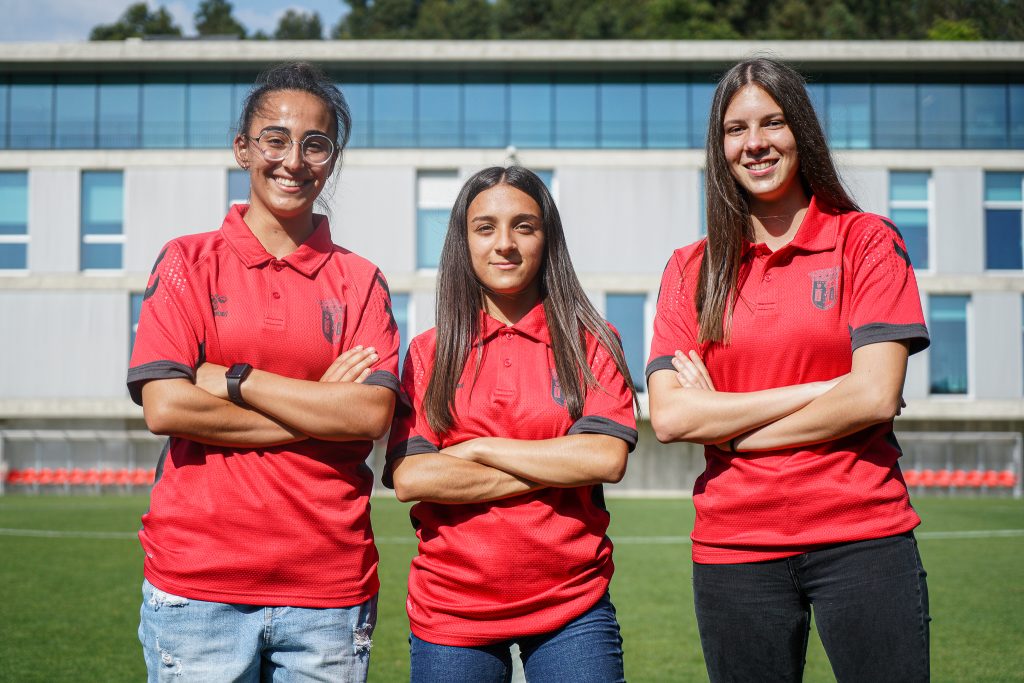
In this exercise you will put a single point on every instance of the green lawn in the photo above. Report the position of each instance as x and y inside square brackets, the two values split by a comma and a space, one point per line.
[70, 605]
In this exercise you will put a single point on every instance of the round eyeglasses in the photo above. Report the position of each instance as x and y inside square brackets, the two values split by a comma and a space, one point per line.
[275, 145]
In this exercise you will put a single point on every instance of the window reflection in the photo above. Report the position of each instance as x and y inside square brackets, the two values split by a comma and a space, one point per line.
[13, 220]
[75, 113]
[895, 116]
[621, 115]
[209, 113]
[985, 116]
[31, 112]
[530, 112]
[626, 313]
[439, 114]
[1004, 207]
[849, 115]
[576, 114]
[163, 114]
[947, 355]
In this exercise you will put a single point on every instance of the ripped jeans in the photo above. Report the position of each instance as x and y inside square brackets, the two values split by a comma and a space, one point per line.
[187, 640]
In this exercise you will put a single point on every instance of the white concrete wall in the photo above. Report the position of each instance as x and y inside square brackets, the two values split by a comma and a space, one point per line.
[54, 209]
[374, 215]
[869, 187]
[959, 230]
[997, 345]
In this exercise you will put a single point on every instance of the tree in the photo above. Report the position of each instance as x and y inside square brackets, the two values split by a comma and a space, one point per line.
[214, 18]
[523, 19]
[379, 19]
[137, 22]
[298, 25]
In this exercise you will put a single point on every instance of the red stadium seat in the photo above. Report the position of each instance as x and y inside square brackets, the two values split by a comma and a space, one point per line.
[108, 477]
[77, 477]
[959, 479]
[14, 477]
[29, 476]
[123, 476]
[927, 478]
[45, 476]
[1007, 479]
[151, 475]
[92, 477]
[974, 478]
[943, 478]
[912, 477]
[990, 478]
[61, 476]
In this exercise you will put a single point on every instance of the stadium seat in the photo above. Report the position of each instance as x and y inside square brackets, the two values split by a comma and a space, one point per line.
[60, 476]
[943, 478]
[92, 477]
[77, 477]
[14, 477]
[108, 477]
[912, 477]
[990, 478]
[959, 479]
[928, 478]
[123, 476]
[974, 478]
[1007, 479]
[45, 477]
[29, 476]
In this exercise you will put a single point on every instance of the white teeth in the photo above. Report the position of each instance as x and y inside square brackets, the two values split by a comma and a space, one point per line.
[287, 182]
[760, 166]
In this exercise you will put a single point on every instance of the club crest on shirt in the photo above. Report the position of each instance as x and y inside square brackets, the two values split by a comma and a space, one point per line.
[824, 284]
[332, 319]
[216, 301]
[556, 390]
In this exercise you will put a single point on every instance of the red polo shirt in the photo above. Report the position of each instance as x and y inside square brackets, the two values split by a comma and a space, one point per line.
[286, 525]
[843, 282]
[525, 565]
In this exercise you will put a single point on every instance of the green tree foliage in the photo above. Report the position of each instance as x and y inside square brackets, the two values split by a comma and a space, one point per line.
[214, 18]
[299, 25]
[137, 21]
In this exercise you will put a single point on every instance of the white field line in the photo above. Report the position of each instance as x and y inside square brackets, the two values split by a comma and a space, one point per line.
[403, 540]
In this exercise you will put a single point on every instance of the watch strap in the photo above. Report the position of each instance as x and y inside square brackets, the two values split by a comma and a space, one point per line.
[235, 375]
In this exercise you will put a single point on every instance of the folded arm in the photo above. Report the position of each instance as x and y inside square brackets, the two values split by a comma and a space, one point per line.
[442, 478]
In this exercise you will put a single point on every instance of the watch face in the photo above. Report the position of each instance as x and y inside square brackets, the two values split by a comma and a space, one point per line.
[238, 371]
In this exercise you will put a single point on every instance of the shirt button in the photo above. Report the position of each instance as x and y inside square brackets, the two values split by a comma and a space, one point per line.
[278, 265]
[276, 295]
[508, 335]
[768, 277]
[508, 362]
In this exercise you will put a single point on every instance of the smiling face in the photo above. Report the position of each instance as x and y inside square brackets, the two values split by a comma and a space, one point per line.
[285, 191]
[506, 244]
[760, 149]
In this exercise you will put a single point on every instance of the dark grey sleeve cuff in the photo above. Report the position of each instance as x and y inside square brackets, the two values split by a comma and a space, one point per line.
[383, 378]
[413, 446]
[914, 334]
[659, 363]
[592, 424]
[158, 369]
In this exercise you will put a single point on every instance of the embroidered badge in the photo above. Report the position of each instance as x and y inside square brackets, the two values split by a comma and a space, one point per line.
[556, 390]
[332, 319]
[824, 284]
[216, 300]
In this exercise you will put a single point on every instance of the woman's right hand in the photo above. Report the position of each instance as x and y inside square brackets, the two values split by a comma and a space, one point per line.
[691, 372]
[352, 365]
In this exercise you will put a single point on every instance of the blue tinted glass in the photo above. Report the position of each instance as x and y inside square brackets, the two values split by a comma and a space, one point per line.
[14, 203]
[668, 122]
[13, 256]
[393, 107]
[1003, 187]
[947, 325]
[136, 310]
[76, 113]
[210, 113]
[849, 115]
[985, 124]
[163, 114]
[119, 120]
[1017, 116]
[908, 186]
[547, 177]
[400, 310]
[626, 313]
[530, 113]
[895, 116]
[913, 225]
[31, 112]
[818, 95]
[486, 106]
[702, 202]
[941, 116]
[622, 110]
[439, 114]
[700, 108]
[238, 187]
[4, 91]
[431, 225]
[240, 89]
[1003, 248]
[575, 114]
[102, 203]
[357, 94]
[101, 256]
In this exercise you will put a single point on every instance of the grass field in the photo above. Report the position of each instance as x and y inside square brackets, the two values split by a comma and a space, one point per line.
[69, 600]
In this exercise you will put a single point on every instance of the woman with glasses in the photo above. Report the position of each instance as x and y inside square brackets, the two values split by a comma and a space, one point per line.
[268, 355]
[781, 344]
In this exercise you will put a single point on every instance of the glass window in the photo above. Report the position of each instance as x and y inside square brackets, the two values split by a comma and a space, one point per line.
[102, 220]
[400, 310]
[31, 113]
[941, 116]
[4, 90]
[622, 114]
[210, 113]
[947, 326]
[985, 116]
[702, 202]
[439, 114]
[238, 187]
[547, 176]
[135, 304]
[909, 207]
[575, 114]
[667, 114]
[626, 313]
[530, 103]
[1017, 116]
[894, 112]
[357, 94]
[393, 106]
[819, 99]
[700, 107]
[435, 195]
[486, 113]
[119, 121]
[849, 115]
[1003, 211]
[76, 112]
[13, 220]
[163, 113]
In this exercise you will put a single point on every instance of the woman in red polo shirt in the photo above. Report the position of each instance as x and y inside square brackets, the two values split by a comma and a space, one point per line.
[269, 356]
[522, 407]
[781, 343]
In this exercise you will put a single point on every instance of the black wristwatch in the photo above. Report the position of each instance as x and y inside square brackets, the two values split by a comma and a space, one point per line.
[235, 375]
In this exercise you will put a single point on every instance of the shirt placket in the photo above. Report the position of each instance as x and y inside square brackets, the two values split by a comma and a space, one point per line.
[505, 386]
[275, 293]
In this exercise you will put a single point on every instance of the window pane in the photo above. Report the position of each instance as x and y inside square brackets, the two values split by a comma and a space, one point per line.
[849, 115]
[210, 115]
[357, 94]
[76, 113]
[1017, 116]
[941, 118]
[700, 107]
[908, 186]
[431, 225]
[136, 311]
[1003, 239]
[4, 93]
[14, 203]
[530, 116]
[667, 115]
[547, 176]
[102, 203]
[486, 114]
[393, 114]
[1003, 187]
[702, 202]
[818, 95]
[895, 116]
[163, 114]
[101, 256]
[622, 115]
[913, 225]
[985, 116]
[31, 106]
[13, 256]
[400, 310]
[947, 326]
[439, 114]
[238, 187]
[626, 313]
[575, 114]
[119, 113]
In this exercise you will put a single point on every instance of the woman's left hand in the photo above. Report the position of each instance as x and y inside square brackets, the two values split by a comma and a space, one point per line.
[210, 378]
[691, 372]
[467, 450]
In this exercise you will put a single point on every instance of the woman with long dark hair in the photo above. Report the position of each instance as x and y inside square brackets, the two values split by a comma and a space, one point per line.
[781, 344]
[269, 356]
[521, 407]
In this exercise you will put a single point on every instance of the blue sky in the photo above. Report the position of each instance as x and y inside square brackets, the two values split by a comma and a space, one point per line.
[71, 20]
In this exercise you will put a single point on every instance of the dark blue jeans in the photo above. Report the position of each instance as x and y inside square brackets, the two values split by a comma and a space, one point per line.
[586, 650]
[870, 605]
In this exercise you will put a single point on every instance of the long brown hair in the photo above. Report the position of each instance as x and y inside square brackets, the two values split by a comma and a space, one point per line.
[460, 302]
[728, 208]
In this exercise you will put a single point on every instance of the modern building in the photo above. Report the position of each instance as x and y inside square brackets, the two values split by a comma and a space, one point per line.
[108, 150]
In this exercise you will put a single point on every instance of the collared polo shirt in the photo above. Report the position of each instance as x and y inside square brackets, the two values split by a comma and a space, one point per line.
[524, 565]
[284, 525]
[843, 282]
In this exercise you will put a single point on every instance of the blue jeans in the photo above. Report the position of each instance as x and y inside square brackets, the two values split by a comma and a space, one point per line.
[586, 650]
[189, 640]
[870, 604]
